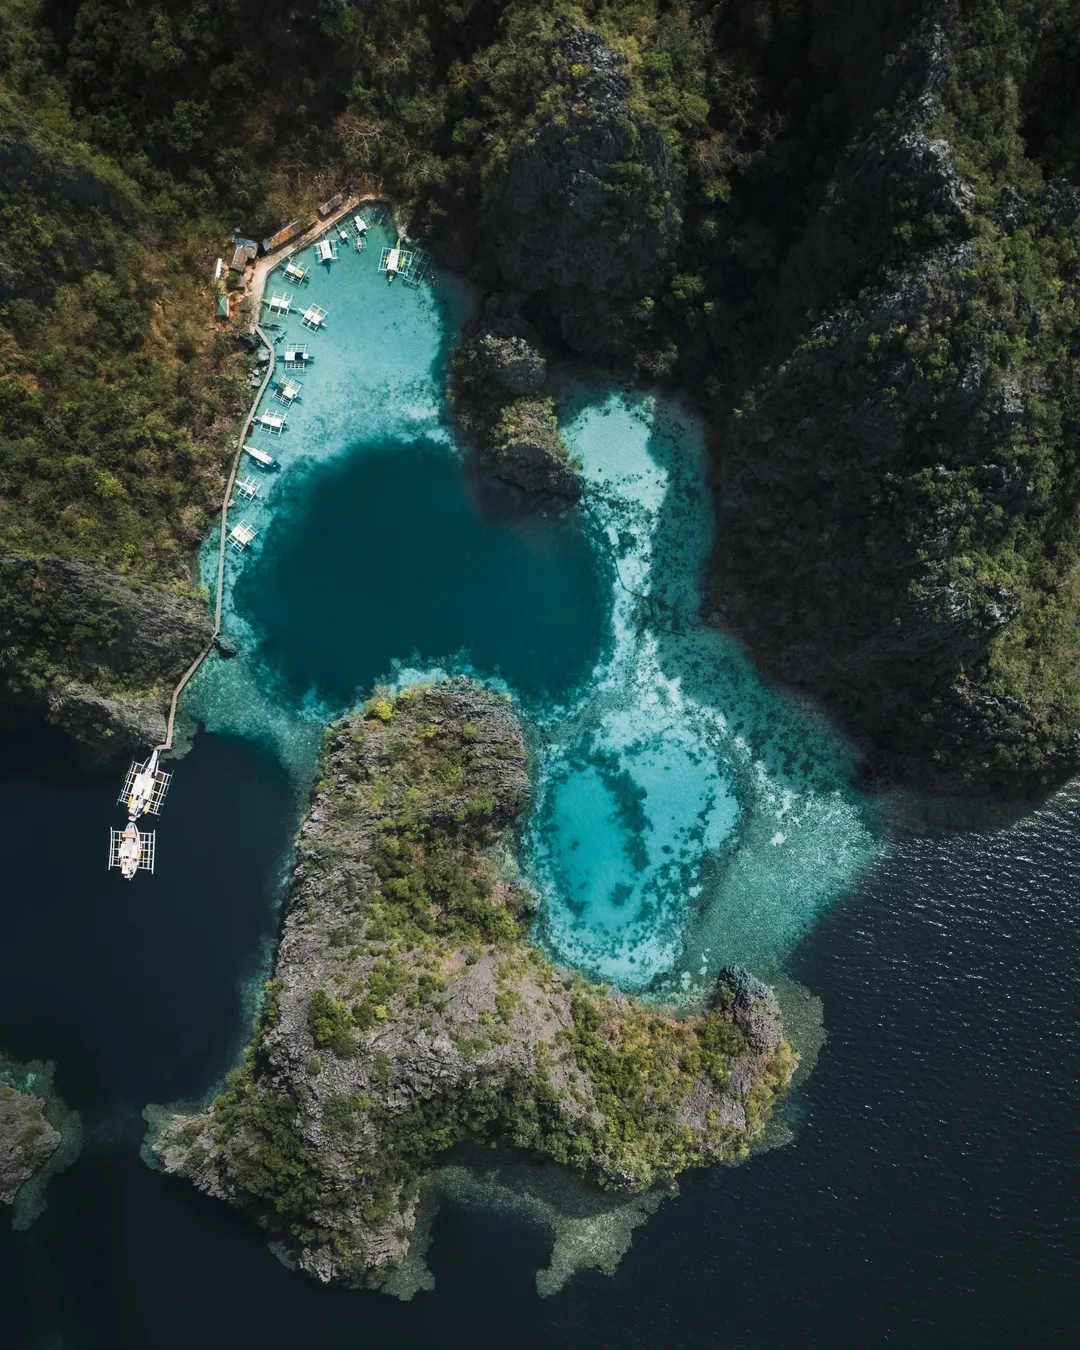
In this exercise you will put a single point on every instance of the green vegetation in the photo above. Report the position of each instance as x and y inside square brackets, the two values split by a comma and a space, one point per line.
[726, 218]
[411, 943]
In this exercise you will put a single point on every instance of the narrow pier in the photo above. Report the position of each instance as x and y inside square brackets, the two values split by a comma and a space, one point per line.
[132, 850]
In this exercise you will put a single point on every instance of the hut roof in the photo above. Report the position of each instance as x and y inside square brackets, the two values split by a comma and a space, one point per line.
[283, 235]
[243, 253]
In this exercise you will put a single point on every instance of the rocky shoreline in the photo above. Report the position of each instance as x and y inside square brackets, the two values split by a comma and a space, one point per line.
[409, 1012]
[39, 1135]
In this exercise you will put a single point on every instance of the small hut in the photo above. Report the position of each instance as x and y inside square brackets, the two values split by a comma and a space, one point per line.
[244, 252]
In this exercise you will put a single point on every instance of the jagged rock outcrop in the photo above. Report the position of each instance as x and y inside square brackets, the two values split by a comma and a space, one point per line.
[588, 207]
[27, 1140]
[515, 366]
[96, 651]
[409, 1012]
[527, 450]
[498, 378]
[885, 487]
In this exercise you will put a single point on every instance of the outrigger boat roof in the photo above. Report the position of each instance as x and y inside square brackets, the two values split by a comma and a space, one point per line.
[275, 423]
[144, 788]
[313, 317]
[326, 250]
[288, 392]
[131, 850]
[280, 303]
[247, 488]
[296, 358]
[241, 535]
[294, 270]
[409, 264]
[261, 457]
[360, 224]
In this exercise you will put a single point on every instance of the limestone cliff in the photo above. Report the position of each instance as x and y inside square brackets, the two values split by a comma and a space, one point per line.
[586, 209]
[96, 651]
[897, 490]
[409, 1012]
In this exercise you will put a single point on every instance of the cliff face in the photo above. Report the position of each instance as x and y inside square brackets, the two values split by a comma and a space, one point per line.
[896, 494]
[586, 210]
[408, 1011]
[96, 651]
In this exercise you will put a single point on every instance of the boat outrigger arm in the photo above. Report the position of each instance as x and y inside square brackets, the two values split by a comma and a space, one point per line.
[144, 788]
[131, 850]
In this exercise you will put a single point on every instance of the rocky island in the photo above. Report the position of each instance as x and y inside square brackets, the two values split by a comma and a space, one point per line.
[27, 1140]
[410, 1012]
[39, 1136]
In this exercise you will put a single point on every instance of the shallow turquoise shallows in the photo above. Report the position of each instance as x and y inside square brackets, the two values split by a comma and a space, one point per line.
[687, 816]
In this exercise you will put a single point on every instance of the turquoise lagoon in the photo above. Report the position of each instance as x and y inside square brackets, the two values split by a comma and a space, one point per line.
[686, 815]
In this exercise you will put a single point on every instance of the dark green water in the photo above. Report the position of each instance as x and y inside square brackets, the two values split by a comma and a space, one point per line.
[392, 554]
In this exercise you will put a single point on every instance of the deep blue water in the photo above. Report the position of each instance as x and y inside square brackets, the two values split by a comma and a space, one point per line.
[931, 1198]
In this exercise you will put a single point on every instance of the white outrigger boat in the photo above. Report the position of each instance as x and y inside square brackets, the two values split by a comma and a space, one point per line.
[296, 358]
[131, 850]
[144, 788]
[274, 423]
[261, 458]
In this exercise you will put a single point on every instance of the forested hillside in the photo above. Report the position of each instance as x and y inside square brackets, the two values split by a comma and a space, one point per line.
[849, 232]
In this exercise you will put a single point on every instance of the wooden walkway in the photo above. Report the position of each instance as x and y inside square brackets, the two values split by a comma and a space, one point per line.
[263, 267]
[167, 743]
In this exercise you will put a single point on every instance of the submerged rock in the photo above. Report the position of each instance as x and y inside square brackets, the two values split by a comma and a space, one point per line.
[409, 1012]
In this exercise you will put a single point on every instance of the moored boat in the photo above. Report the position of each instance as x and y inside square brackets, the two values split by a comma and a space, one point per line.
[261, 458]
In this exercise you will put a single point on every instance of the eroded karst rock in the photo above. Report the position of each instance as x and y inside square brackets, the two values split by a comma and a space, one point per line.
[409, 1011]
